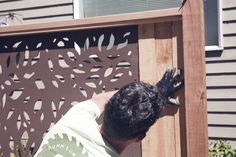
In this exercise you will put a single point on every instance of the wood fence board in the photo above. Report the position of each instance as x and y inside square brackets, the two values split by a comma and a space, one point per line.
[178, 62]
[164, 51]
[95, 22]
[148, 73]
[195, 88]
[166, 38]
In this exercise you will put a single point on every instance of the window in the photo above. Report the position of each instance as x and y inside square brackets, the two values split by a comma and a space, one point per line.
[213, 26]
[91, 8]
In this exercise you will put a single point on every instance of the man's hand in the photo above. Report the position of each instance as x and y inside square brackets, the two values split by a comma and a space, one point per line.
[169, 84]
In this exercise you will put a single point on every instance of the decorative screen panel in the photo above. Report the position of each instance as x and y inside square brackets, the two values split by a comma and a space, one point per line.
[41, 75]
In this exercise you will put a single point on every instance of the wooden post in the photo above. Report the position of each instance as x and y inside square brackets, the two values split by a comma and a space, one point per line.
[196, 135]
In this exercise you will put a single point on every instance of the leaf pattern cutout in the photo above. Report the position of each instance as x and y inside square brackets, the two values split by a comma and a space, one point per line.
[42, 74]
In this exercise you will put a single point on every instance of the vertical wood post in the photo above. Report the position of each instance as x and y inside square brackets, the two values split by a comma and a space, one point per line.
[196, 135]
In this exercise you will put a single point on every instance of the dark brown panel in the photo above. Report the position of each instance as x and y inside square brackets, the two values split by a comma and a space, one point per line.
[42, 74]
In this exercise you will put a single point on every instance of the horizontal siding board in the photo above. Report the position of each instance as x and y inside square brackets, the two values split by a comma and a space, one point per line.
[229, 41]
[229, 28]
[228, 3]
[221, 106]
[42, 20]
[229, 15]
[222, 119]
[31, 3]
[47, 12]
[222, 80]
[229, 67]
[221, 93]
[223, 132]
[32, 11]
[227, 54]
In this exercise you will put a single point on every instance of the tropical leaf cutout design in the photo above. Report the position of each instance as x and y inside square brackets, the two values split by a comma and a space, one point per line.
[41, 75]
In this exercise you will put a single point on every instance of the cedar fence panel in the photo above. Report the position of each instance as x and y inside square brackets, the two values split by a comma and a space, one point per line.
[93, 55]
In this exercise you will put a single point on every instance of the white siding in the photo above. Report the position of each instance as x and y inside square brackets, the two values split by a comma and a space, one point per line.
[32, 11]
[221, 80]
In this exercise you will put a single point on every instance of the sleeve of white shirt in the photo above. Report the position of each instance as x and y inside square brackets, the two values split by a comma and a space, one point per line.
[79, 118]
[86, 109]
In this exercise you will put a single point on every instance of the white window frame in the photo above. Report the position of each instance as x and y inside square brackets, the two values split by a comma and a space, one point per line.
[79, 13]
[220, 33]
[78, 9]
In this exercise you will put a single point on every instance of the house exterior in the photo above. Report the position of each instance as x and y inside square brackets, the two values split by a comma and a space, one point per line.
[221, 79]
[31, 11]
[220, 62]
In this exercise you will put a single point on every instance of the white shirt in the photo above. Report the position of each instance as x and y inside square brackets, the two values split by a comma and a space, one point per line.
[76, 135]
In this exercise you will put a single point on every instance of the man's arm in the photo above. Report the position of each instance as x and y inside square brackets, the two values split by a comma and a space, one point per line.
[166, 87]
[101, 99]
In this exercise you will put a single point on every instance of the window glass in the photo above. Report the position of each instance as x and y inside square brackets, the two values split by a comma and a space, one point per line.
[213, 36]
[211, 22]
[109, 7]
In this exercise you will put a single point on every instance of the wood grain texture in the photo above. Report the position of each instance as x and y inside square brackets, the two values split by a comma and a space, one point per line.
[95, 22]
[181, 132]
[148, 73]
[160, 48]
[166, 130]
[194, 72]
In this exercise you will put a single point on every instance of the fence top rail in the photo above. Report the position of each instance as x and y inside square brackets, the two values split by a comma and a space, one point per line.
[163, 15]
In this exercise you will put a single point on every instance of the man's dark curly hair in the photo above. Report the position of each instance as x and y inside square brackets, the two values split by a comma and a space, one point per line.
[132, 110]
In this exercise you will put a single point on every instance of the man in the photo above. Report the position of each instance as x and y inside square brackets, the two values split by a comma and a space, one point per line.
[128, 114]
